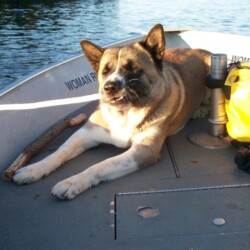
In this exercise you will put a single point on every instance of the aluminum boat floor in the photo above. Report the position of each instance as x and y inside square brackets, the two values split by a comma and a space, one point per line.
[107, 217]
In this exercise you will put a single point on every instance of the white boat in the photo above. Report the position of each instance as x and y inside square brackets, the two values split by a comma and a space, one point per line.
[34, 104]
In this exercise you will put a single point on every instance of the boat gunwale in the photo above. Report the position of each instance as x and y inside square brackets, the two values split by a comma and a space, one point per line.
[25, 79]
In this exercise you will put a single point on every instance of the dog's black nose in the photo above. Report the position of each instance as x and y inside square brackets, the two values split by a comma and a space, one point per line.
[112, 87]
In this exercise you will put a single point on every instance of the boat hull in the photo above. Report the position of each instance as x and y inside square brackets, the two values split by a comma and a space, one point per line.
[76, 78]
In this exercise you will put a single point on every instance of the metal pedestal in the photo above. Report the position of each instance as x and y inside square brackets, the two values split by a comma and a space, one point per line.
[215, 138]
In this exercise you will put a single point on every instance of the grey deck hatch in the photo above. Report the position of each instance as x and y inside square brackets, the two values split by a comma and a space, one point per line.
[183, 212]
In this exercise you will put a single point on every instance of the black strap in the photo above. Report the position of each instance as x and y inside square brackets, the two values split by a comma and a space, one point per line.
[214, 83]
[238, 65]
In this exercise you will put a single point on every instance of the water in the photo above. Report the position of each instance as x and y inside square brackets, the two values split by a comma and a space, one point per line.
[37, 33]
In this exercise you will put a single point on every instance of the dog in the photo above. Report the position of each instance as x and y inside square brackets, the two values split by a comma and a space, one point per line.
[147, 94]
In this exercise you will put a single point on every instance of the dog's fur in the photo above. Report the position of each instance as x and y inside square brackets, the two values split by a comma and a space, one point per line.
[147, 94]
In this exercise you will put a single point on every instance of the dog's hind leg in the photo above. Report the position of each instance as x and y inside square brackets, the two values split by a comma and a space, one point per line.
[201, 112]
[80, 141]
[204, 108]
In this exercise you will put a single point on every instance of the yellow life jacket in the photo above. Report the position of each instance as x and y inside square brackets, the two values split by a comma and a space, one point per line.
[237, 88]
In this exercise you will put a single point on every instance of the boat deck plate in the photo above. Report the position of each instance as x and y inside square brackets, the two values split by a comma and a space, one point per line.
[179, 212]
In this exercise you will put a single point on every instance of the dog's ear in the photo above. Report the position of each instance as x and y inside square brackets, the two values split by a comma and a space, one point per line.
[93, 53]
[154, 42]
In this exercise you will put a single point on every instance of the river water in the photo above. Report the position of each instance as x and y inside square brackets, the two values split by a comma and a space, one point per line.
[38, 33]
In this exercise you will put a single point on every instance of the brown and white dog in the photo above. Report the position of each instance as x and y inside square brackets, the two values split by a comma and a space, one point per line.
[147, 94]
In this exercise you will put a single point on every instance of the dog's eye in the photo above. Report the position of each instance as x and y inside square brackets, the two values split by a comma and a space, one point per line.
[106, 69]
[129, 65]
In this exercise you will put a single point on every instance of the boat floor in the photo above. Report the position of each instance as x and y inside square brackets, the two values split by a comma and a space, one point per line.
[180, 210]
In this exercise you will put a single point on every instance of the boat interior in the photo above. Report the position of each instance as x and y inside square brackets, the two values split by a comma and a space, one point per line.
[193, 198]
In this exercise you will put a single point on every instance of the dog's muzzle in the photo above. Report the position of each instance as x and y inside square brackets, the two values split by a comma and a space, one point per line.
[123, 94]
[117, 94]
[112, 87]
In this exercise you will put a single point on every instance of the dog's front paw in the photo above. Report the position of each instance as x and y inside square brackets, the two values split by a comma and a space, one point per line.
[28, 174]
[68, 189]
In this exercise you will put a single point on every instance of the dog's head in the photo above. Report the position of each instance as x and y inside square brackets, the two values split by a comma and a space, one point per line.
[128, 76]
